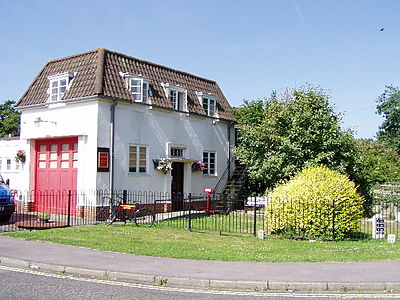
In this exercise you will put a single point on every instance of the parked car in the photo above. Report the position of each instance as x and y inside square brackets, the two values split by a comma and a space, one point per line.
[259, 201]
[7, 204]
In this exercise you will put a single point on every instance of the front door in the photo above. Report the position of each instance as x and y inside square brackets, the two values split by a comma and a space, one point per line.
[177, 186]
[56, 174]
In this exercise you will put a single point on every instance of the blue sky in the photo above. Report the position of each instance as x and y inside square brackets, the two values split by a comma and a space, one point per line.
[249, 47]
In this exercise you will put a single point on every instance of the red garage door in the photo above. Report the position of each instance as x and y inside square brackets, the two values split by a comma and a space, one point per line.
[56, 171]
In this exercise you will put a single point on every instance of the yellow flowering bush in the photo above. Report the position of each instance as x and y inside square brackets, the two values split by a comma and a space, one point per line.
[317, 203]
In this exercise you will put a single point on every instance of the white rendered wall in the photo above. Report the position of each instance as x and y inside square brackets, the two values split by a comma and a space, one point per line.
[66, 120]
[137, 124]
[16, 172]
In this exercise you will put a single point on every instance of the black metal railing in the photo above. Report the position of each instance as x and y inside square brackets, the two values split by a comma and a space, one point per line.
[217, 212]
[224, 178]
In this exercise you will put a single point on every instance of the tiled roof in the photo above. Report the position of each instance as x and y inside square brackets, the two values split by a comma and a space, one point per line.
[98, 73]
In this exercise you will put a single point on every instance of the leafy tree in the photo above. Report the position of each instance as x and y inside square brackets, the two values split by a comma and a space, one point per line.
[389, 107]
[379, 163]
[251, 112]
[296, 130]
[9, 119]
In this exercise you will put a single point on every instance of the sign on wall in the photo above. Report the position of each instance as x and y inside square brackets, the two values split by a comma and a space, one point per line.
[103, 159]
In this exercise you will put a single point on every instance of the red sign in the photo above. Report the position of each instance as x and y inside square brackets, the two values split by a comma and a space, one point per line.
[127, 206]
[103, 160]
[208, 190]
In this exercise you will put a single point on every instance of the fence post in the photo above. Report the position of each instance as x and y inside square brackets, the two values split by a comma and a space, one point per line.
[255, 216]
[190, 212]
[124, 196]
[69, 208]
[124, 201]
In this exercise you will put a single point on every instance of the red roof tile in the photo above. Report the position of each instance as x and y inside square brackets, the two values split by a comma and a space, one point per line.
[98, 73]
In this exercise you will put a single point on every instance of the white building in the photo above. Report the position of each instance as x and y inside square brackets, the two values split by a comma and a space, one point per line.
[102, 120]
[12, 170]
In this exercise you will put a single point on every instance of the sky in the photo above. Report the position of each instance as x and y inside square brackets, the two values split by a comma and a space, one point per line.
[251, 48]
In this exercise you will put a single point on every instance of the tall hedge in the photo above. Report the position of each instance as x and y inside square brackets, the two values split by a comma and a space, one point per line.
[317, 203]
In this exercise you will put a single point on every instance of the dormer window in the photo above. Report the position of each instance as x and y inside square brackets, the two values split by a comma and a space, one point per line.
[209, 103]
[177, 95]
[139, 86]
[139, 89]
[209, 106]
[59, 84]
[176, 99]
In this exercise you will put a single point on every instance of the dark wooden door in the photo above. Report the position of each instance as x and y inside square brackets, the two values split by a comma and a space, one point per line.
[177, 186]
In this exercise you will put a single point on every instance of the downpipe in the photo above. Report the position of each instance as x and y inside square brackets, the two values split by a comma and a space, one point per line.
[112, 144]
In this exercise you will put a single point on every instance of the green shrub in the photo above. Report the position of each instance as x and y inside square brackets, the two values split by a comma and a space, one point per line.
[317, 203]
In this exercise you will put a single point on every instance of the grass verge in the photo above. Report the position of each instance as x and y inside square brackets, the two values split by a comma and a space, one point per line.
[179, 243]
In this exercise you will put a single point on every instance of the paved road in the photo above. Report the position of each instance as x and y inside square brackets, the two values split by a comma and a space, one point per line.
[21, 284]
[365, 276]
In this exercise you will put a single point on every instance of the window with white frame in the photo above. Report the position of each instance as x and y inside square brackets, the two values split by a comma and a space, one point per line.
[8, 164]
[177, 95]
[176, 152]
[137, 159]
[209, 158]
[59, 84]
[139, 86]
[209, 103]
[139, 89]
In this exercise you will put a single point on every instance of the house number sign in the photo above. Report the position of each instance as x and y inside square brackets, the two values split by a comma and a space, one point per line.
[378, 226]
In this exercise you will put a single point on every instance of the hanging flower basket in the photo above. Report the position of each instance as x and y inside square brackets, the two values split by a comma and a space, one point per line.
[198, 166]
[164, 165]
[20, 156]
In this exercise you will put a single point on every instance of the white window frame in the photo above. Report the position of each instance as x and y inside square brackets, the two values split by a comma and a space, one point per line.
[145, 93]
[211, 106]
[206, 99]
[177, 149]
[177, 95]
[170, 146]
[138, 159]
[59, 85]
[207, 170]
[8, 163]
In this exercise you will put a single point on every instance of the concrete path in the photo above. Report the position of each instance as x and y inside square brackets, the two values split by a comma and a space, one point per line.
[372, 276]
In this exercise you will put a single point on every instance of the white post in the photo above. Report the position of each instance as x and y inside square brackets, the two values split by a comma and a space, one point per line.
[378, 227]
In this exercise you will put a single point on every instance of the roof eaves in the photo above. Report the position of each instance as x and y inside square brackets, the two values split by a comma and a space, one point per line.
[43, 104]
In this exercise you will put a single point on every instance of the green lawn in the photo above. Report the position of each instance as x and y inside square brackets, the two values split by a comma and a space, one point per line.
[179, 243]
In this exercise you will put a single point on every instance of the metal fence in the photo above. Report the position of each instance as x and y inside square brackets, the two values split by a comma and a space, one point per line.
[55, 209]
[208, 212]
